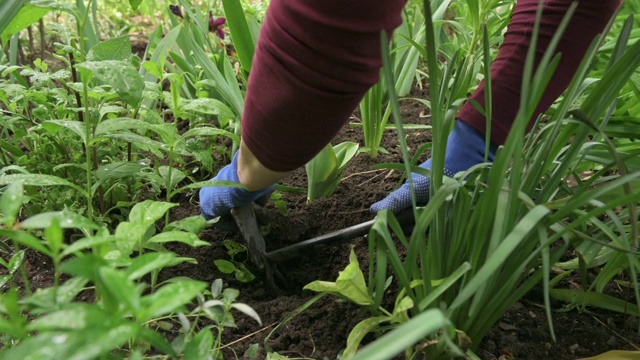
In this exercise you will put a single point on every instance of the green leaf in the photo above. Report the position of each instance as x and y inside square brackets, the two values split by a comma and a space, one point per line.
[39, 180]
[118, 170]
[113, 49]
[242, 40]
[90, 343]
[53, 126]
[149, 211]
[176, 176]
[200, 346]
[193, 224]
[243, 274]
[615, 355]
[350, 283]
[207, 106]
[225, 266]
[26, 239]
[135, 4]
[87, 243]
[8, 11]
[11, 202]
[53, 236]
[591, 298]
[358, 333]
[147, 263]
[170, 298]
[49, 299]
[118, 287]
[404, 336]
[84, 266]
[74, 316]
[121, 76]
[27, 15]
[179, 236]
[66, 219]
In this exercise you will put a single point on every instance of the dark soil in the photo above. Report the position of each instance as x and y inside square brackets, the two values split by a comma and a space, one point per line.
[320, 332]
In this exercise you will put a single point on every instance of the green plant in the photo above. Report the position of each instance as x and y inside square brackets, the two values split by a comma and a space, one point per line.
[124, 313]
[324, 171]
[488, 235]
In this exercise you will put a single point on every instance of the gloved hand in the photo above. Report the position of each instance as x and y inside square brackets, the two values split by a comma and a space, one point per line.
[465, 148]
[219, 200]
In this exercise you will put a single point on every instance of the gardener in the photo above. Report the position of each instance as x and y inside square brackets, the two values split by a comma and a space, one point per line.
[315, 60]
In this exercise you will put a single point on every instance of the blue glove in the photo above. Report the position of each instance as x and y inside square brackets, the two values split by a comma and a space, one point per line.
[219, 200]
[465, 148]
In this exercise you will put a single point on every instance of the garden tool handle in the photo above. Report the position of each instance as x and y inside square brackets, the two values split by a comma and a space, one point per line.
[245, 219]
[405, 218]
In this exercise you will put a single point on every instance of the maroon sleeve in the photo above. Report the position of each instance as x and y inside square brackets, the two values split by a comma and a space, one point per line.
[589, 19]
[314, 61]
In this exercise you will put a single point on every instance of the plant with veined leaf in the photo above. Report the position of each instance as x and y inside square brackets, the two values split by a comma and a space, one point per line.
[120, 319]
[324, 171]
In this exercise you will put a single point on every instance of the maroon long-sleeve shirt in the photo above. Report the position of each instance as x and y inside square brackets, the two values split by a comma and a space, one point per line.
[316, 59]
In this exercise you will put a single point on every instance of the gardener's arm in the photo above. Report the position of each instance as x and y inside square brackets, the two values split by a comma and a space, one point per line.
[314, 62]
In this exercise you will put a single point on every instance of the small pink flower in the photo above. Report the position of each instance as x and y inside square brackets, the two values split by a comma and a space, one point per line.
[215, 25]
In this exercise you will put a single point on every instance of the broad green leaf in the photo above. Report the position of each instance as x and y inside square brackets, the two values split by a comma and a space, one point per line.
[25, 239]
[350, 283]
[149, 211]
[179, 236]
[120, 75]
[170, 298]
[399, 314]
[66, 218]
[49, 299]
[16, 261]
[321, 170]
[207, 106]
[200, 345]
[39, 180]
[193, 224]
[129, 235]
[118, 170]
[156, 340]
[209, 132]
[118, 287]
[243, 274]
[86, 266]
[345, 151]
[27, 15]
[87, 243]
[8, 11]
[225, 266]
[74, 316]
[404, 336]
[171, 176]
[358, 333]
[11, 202]
[88, 343]
[78, 128]
[147, 263]
[113, 49]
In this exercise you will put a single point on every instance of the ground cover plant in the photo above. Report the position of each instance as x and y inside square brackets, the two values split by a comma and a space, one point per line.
[104, 144]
